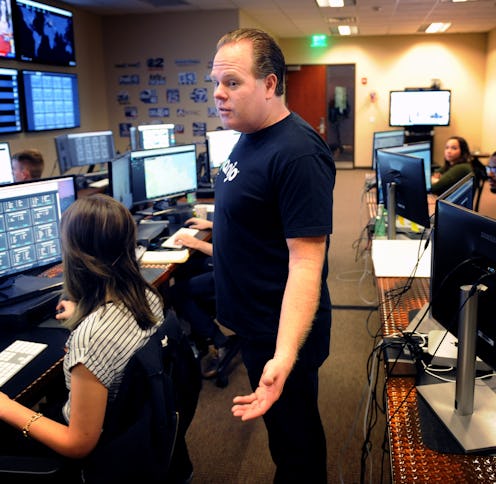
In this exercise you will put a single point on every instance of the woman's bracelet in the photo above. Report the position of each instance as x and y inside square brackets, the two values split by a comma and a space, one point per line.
[34, 418]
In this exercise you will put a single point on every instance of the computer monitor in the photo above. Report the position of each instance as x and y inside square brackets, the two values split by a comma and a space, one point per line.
[219, 145]
[7, 45]
[6, 175]
[30, 214]
[10, 107]
[463, 289]
[51, 100]
[462, 192]
[84, 149]
[419, 107]
[44, 34]
[152, 136]
[163, 173]
[402, 177]
[119, 175]
[386, 139]
[422, 150]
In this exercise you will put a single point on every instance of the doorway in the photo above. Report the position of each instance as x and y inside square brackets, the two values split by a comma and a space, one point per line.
[324, 95]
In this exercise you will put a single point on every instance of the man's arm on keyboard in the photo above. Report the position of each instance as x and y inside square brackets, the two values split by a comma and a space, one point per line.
[193, 243]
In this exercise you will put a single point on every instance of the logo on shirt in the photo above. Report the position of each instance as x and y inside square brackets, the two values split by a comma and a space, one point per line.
[230, 171]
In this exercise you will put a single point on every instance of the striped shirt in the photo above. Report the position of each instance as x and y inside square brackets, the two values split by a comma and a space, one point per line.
[104, 342]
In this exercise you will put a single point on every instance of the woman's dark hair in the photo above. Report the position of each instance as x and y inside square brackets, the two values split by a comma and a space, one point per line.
[267, 55]
[98, 244]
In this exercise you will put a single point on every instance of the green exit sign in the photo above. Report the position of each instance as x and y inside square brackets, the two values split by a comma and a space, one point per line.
[319, 41]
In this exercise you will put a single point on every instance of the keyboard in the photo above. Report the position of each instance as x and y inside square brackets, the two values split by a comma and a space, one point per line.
[16, 356]
[170, 243]
[149, 230]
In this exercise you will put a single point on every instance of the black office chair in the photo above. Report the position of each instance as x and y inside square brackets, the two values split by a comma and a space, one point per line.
[142, 440]
[480, 177]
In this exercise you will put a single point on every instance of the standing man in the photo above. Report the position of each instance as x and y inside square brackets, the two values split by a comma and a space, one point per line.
[27, 165]
[273, 217]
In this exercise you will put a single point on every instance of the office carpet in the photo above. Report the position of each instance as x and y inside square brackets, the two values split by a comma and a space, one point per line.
[225, 450]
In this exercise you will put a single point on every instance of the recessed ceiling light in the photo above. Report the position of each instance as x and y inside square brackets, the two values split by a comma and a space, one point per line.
[335, 3]
[435, 27]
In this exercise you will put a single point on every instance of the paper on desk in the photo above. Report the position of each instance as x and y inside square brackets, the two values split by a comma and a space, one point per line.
[397, 258]
[165, 256]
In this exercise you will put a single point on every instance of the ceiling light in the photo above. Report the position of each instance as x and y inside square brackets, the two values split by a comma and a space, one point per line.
[335, 3]
[344, 30]
[437, 27]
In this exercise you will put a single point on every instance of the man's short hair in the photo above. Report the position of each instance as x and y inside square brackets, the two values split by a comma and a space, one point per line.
[32, 160]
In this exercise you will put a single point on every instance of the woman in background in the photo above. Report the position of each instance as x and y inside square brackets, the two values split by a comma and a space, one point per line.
[458, 162]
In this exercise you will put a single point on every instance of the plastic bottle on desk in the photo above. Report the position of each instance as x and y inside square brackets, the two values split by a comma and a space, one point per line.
[380, 223]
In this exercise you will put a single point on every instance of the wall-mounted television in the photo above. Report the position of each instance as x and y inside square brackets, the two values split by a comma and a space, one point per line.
[51, 100]
[7, 45]
[10, 108]
[419, 107]
[43, 34]
[152, 136]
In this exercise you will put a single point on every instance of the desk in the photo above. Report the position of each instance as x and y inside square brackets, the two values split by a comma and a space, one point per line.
[411, 459]
[30, 384]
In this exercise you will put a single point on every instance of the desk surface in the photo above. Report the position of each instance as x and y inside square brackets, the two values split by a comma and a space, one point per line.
[411, 459]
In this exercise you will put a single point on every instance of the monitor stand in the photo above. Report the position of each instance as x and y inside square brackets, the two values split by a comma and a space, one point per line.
[466, 409]
[391, 208]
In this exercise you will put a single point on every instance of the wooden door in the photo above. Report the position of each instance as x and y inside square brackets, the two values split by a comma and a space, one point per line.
[306, 94]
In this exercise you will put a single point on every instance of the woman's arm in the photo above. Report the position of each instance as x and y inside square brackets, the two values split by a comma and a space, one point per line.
[79, 438]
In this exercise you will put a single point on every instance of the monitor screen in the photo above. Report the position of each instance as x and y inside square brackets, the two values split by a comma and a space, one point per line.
[419, 108]
[386, 139]
[219, 145]
[462, 192]
[10, 107]
[51, 100]
[7, 47]
[30, 214]
[163, 173]
[421, 150]
[152, 136]
[84, 149]
[407, 172]
[43, 34]
[120, 179]
[6, 175]
[466, 258]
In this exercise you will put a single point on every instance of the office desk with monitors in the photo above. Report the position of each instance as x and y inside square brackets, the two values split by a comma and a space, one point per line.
[412, 460]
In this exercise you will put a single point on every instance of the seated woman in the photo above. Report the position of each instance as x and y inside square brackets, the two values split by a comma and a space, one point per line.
[458, 162]
[111, 312]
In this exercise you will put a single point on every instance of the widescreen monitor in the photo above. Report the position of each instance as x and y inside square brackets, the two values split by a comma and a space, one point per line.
[163, 173]
[7, 45]
[10, 106]
[419, 108]
[43, 34]
[386, 139]
[119, 175]
[152, 136]
[422, 150]
[407, 174]
[30, 214]
[84, 149]
[219, 145]
[464, 268]
[51, 100]
[6, 175]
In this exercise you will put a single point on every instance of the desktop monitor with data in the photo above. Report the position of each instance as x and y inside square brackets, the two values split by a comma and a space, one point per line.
[403, 177]
[30, 239]
[84, 149]
[219, 145]
[462, 193]
[152, 136]
[6, 175]
[163, 173]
